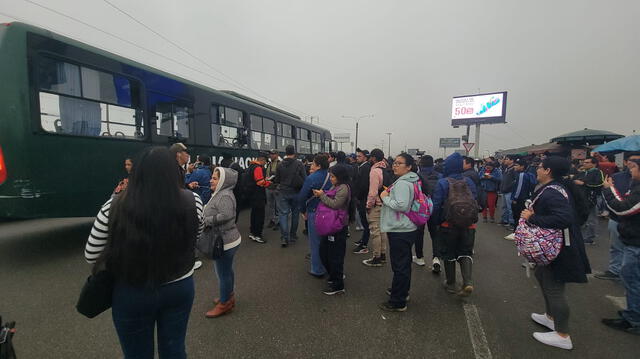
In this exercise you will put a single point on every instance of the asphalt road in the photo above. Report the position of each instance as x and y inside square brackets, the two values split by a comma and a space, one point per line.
[281, 312]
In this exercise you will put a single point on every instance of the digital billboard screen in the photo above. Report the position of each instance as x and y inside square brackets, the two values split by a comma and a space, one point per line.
[479, 109]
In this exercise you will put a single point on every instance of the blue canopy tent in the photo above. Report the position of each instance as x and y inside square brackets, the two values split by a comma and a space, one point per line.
[625, 144]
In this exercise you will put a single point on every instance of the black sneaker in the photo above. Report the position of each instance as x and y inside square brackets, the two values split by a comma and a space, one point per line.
[373, 262]
[357, 243]
[383, 258]
[608, 275]
[332, 291]
[386, 306]
[388, 291]
[617, 323]
[284, 244]
[361, 249]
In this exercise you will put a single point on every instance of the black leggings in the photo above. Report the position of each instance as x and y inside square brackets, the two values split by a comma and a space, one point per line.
[554, 298]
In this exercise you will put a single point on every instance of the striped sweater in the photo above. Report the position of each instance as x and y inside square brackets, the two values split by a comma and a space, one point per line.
[99, 233]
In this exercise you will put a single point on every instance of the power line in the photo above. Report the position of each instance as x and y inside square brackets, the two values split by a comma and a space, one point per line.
[235, 82]
[132, 44]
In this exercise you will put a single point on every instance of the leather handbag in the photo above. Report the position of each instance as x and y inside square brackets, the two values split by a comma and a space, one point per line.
[96, 294]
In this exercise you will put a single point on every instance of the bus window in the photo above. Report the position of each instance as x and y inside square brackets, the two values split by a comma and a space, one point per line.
[59, 77]
[105, 87]
[76, 100]
[284, 133]
[228, 130]
[73, 116]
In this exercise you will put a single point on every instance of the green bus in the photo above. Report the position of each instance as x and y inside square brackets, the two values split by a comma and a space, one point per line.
[71, 113]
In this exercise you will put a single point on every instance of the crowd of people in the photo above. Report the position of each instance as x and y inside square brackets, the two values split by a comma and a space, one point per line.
[147, 232]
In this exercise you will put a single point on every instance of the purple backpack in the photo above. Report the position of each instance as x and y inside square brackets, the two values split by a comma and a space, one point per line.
[328, 220]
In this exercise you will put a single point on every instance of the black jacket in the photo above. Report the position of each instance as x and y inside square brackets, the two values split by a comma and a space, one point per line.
[508, 180]
[627, 209]
[553, 210]
[361, 184]
[622, 182]
[290, 175]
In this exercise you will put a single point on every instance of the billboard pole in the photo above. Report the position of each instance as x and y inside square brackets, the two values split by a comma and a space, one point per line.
[475, 152]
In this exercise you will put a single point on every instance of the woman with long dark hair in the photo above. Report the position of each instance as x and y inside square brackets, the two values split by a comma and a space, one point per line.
[145, 237]
[402, 232]
[122, 185]
[333, 247]
[554, 207]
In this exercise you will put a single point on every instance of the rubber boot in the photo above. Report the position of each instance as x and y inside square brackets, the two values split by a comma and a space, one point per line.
[450, 273]
[466, 269]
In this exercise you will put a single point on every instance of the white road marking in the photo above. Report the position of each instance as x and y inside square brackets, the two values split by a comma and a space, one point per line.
[620, 302]
[476, 333]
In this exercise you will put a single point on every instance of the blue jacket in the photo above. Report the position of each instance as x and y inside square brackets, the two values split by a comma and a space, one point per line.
[452, 169]
[202, 175]
[525, 185]
[491, 184]
[313, 181]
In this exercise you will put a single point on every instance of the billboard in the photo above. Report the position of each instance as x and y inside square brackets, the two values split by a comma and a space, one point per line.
[342, 137]
[479, 109]
[449, 142]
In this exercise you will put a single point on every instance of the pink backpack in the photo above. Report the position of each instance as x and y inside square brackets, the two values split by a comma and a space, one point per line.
[421, 206]
[328, 220]
[539, 245]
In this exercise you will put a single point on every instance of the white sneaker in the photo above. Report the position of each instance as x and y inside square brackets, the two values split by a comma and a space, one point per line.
[510, 237]
[542, 319]
[252, 237]
[197, 265]
[418, 261]
[554, 339]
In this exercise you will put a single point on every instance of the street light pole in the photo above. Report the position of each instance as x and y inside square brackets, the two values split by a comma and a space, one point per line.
[389, 135]
[357, 119]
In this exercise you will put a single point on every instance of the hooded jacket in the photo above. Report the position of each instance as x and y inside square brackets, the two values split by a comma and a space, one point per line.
[398, 201]
[452, 169]
[220, 211]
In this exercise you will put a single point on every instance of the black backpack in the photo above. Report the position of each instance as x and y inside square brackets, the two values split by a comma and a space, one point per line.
[431, 182]
[247, 183]
[460, 208]
[7, 331]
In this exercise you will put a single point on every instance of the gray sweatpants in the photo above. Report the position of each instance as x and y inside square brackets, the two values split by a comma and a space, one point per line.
[554, 298]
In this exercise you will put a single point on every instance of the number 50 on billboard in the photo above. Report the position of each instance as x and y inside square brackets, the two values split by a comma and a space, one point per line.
[479, 109]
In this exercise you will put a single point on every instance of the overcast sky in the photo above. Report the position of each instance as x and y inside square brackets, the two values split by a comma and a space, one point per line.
[566, 64]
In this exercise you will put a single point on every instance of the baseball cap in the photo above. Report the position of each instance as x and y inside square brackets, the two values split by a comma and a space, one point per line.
[274, 152]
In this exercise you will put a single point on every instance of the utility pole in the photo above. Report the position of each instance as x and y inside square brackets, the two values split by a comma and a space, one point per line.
[389, 134]
[357, 119]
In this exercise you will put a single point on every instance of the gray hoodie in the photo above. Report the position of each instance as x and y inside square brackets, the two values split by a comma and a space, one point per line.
[220, 211]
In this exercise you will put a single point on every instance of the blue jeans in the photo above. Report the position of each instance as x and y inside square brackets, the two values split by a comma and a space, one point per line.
[224, 270]
[616, 249]
[314, 246]
[136, 311]
[287, 205]
[630, 274]
[507, 214]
